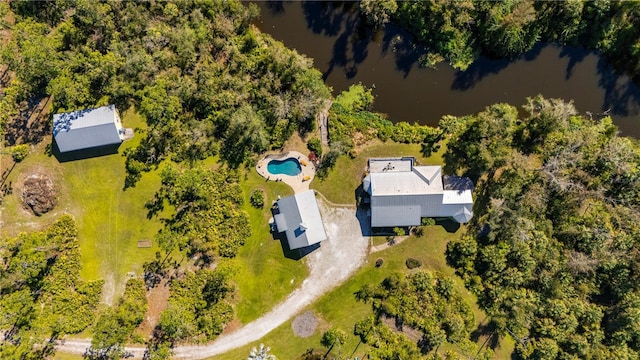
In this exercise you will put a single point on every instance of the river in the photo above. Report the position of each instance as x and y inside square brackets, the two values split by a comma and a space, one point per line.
[347, 53]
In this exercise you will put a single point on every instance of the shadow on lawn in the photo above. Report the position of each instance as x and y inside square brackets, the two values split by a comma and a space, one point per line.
[84, 153]
[448, 224]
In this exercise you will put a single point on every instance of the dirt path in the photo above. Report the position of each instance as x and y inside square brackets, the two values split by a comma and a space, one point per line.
[335, 261]
[323, 123]
[388, 244]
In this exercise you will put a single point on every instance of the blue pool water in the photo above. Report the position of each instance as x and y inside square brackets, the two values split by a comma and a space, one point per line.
[289, 166]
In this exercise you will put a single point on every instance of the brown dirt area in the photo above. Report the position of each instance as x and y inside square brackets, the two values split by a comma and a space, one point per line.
[38, 194]
[408, 331]
[157, 298]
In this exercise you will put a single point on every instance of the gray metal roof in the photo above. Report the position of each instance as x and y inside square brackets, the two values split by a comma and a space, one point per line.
[87, 128]
[402, 193]
[419, 180]
[464, 215]
[299, 218]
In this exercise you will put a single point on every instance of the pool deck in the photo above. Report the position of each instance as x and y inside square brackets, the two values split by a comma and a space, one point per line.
[297, 182]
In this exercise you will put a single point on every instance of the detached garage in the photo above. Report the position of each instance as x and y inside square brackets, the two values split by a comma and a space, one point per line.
[89, 128]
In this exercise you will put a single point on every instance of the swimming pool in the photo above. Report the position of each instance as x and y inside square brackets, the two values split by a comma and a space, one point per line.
[288, 166]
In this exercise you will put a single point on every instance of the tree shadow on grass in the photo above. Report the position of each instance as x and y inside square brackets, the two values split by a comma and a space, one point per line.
[488, 331]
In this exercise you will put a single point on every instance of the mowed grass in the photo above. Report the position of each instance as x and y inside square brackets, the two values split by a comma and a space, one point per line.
[110, 220]
[339, 187]
[265, 275]
[340, 309]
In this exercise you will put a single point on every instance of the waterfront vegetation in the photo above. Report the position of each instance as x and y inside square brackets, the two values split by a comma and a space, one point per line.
[550, 260]
[460, 31]
[553, 246]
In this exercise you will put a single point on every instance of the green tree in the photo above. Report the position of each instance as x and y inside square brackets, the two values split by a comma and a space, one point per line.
[510, 28]
[333, 338]
[378, 13]
[207, 218]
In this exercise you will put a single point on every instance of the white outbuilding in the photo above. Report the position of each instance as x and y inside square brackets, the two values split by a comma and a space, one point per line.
[402, 194]
[87, 128]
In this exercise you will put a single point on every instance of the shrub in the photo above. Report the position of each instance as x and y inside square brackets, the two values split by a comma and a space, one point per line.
[379, 262]
[418, 231]
[19, 152]
[413, 263]
[427, 221]
[399, 231]
[257, 199]
[327, 163]
[315, 145]
[352, 153]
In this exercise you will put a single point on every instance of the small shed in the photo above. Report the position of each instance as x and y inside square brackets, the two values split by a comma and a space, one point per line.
[89, 128]
[298, 216]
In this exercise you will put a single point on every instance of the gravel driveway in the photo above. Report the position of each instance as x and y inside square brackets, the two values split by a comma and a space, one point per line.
[335, 261]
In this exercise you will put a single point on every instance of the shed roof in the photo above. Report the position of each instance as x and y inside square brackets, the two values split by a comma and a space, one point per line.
[457, 197]
[452, 182]
[83, 118]
[299, 218]
[87, 128]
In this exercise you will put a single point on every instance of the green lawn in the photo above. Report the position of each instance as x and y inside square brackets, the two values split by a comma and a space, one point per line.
[340, 309]
[110, 221]
[347, 174]
[265, 276]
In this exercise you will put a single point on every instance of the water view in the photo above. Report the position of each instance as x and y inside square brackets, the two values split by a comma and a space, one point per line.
[347, 53]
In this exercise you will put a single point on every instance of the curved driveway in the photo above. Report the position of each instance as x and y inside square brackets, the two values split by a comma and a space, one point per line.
[335, 261]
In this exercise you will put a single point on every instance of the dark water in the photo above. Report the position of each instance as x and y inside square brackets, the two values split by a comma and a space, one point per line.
[347, 53]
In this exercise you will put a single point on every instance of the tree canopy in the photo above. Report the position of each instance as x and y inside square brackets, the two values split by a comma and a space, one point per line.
[207, 218]
[198, 72]
[421, 301]
[459, 31]
[41, 295]
[552, 251]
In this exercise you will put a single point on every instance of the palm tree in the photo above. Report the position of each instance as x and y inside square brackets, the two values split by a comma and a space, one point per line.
[261, 353]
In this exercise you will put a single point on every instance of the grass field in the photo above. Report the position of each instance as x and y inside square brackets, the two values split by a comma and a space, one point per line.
[110, 221]
[340, 309]
[265, 276]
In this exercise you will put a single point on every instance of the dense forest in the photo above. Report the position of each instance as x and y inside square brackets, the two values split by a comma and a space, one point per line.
[460, 31]
[553, 249]
[203, 78]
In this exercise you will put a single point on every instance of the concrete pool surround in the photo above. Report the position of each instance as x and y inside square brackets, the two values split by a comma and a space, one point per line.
[298, 182]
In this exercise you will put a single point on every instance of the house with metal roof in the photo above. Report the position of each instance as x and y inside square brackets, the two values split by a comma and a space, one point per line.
[298, 216]
[87, 128]
[401, 194]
